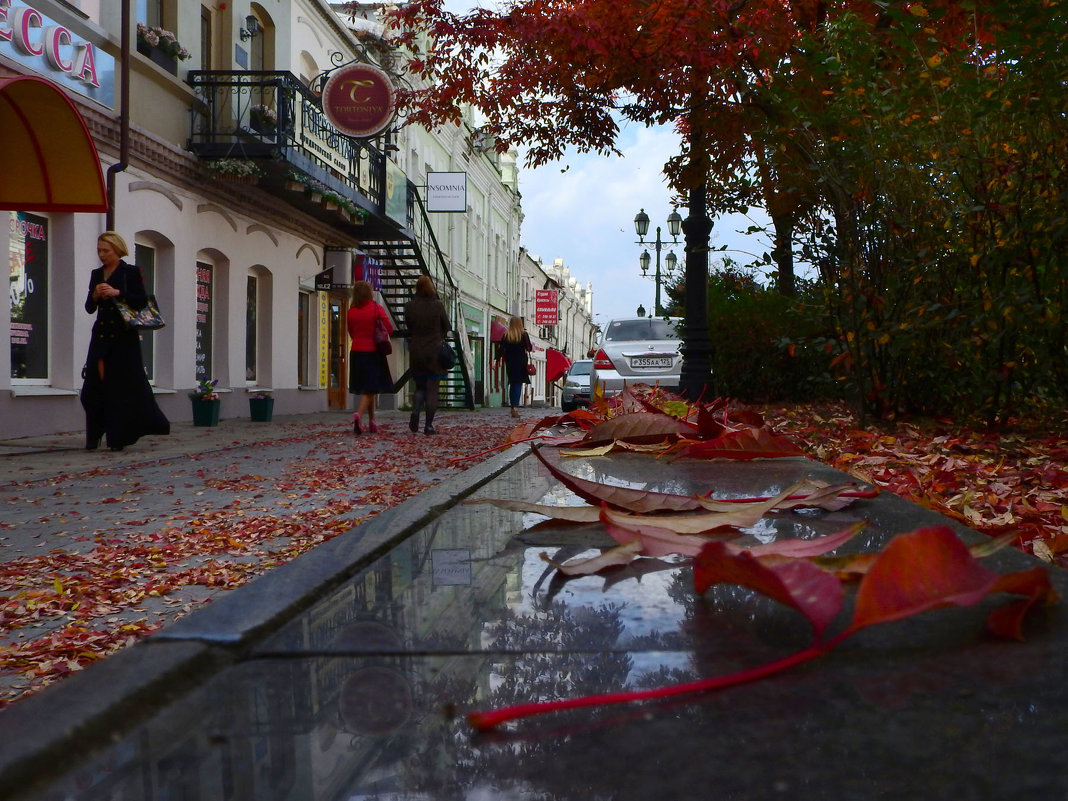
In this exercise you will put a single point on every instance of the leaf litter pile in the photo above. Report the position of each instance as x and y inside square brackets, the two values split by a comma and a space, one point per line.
[116, 582]
[1010, 487]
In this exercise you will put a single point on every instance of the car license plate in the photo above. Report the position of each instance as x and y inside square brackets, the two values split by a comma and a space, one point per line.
[651, 361]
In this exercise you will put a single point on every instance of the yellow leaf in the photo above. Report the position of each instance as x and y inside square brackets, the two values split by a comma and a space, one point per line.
[974, 259]
[917, 10]
[934, 60]
[59, 586]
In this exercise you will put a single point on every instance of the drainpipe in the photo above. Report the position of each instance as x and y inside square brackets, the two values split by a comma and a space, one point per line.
[124, 115]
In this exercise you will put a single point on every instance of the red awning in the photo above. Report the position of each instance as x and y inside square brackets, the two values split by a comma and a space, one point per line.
[497, 330]
[556, 365]
[50, 160]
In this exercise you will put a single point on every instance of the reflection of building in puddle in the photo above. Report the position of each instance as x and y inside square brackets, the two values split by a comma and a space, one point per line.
[374, 701]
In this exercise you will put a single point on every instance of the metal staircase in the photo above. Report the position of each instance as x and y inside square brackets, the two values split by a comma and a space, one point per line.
[401, 261]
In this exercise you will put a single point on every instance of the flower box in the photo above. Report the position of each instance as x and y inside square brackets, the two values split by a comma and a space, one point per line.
[206, 412]
[261, 409]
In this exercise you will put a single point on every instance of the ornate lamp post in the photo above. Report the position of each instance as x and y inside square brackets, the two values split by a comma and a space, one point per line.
[641, 227]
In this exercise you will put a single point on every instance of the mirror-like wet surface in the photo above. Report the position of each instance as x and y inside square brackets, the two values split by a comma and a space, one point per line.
[364, 694]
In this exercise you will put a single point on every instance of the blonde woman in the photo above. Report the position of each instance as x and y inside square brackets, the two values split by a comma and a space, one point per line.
[116, 395]
[513, 350]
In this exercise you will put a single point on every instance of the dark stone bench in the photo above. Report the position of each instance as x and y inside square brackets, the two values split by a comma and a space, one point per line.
[347, 673]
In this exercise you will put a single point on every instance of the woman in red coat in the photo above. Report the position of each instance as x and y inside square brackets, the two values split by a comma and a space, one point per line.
[368, 368]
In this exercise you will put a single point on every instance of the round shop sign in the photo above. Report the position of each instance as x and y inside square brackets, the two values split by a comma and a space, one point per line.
[358, 100]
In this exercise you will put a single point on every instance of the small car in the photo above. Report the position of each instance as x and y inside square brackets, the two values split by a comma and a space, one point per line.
[637, 350]
[576, 386]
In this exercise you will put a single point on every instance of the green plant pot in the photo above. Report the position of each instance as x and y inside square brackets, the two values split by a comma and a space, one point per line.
[261, 409]
[206, 412]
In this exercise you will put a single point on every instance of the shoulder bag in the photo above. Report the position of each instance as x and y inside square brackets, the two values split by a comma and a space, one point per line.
[146, 319]
[381, 337]
[446, 356]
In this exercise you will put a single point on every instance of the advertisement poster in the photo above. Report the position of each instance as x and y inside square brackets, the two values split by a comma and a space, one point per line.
[28, 265]
[203, 346]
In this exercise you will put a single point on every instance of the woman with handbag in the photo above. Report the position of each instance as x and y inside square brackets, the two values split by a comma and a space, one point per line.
[428, 326]
[513, 349]
[369, 329]
[116, 395]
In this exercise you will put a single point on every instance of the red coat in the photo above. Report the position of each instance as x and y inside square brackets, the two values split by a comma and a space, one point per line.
[361, 325]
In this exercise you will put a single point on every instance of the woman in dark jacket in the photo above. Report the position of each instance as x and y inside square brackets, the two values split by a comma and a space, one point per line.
[116, 395]
[428, 326]
[514, 347]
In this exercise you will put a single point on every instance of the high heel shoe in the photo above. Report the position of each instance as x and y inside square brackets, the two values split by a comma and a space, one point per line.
[372, 426]
[356, 425]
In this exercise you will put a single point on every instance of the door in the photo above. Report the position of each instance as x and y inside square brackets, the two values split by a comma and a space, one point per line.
[337, 388]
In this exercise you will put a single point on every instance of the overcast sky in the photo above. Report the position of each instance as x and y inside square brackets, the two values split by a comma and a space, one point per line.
[581, 209]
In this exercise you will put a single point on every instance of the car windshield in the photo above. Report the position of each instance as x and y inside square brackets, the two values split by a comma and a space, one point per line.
[581, 368]
[634, 330]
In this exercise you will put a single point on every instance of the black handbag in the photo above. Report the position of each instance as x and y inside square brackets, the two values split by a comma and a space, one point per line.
[446, 356]
[146, 319]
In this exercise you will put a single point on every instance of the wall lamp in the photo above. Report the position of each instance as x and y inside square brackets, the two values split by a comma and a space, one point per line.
[252, 27]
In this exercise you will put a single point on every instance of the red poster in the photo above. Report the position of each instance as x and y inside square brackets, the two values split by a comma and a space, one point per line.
[545, 307]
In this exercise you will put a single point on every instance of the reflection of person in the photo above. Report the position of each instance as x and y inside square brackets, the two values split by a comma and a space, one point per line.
[368, 369]
[513, 350]
[116, 395]
[428, 325]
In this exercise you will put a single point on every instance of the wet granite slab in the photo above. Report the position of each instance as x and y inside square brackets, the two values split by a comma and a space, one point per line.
[362, 694]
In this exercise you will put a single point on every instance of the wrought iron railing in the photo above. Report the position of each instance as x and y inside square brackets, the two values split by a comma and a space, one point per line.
[272, 114]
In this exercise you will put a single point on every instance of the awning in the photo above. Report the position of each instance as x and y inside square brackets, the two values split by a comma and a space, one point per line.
[50, 161]
[556, 365]
[497, 330]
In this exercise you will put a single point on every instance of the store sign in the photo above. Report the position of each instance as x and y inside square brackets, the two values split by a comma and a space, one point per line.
[53, 51]
[545, 307]
[28, 257]
[446, 191]
[205, 283]
[359, 101]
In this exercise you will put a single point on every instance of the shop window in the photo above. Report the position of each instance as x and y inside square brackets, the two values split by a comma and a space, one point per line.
[28, 296]
[151, 12]
[305, 343]
[251, 329]
[205, 293]
[145, 260]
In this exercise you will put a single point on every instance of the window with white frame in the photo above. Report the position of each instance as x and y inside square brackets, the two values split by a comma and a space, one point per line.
[28, 297]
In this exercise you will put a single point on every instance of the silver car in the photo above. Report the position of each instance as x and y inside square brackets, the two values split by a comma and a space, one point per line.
[576, 386]
[637, 350]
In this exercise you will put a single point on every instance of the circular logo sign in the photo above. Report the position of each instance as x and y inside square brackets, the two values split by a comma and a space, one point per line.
[358, 100]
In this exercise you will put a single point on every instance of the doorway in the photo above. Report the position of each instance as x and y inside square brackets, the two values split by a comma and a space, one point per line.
[337, 388]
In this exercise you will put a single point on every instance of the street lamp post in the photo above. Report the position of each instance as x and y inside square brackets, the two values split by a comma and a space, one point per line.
[641, 227]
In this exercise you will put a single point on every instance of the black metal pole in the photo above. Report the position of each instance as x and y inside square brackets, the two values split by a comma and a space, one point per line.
[124, 116]
[696, 348]
[658, 311]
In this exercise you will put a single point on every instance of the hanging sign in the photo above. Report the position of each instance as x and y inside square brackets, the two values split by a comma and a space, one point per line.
[358, 100]
[446, 191]
[545, 307]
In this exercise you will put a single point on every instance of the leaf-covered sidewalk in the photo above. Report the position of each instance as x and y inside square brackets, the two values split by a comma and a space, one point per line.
[1011, 482]
[90, 562]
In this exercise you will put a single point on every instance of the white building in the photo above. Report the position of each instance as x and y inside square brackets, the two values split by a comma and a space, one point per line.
[251, 272]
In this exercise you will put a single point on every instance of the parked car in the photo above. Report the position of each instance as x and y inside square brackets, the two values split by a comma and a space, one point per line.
[637, 350]
[576, 386]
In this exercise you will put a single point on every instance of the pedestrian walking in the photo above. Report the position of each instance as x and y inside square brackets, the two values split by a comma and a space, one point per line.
[368, 367]
[428, 326]
[513, 349]
[116, 395]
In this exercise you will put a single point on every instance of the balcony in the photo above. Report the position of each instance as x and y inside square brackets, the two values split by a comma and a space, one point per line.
[276, 121]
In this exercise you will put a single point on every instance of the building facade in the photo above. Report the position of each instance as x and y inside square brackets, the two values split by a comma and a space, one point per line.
[246, 212]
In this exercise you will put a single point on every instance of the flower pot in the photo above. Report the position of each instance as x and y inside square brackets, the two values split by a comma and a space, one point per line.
[157, 56]
[261, 409]
[294, 186]
[206, 412]
[263, 127]
[238, 179]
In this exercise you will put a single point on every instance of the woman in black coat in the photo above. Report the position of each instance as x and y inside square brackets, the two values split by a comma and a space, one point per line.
[428, 326]
[116, 395]
[514, 347]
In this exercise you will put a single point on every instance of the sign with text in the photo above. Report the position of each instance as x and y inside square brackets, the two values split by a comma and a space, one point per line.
[205, 285]
[358, 100]
[446, 191]
[54, 51]
[545, 307]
